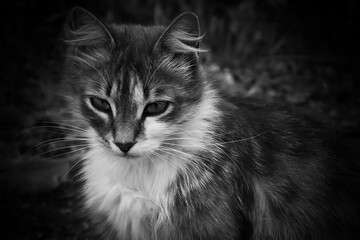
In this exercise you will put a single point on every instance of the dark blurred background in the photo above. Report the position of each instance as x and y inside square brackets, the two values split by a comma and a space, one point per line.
[301, 53]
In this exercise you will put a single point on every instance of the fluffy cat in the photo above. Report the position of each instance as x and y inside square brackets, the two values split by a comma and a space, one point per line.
[170, 158]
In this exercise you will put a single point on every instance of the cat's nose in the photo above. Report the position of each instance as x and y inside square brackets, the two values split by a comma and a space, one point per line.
[125, 147]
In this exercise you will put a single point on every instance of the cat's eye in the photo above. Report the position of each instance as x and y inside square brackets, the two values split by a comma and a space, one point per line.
[100, 104]
[156, 108]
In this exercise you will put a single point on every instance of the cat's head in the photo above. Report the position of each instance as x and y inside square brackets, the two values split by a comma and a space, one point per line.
[138, 90]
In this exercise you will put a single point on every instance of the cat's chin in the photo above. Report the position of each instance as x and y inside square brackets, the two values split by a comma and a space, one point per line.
[130, 156]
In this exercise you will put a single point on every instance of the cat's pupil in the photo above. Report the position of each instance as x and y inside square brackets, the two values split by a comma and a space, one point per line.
[100, 104]
[156, 108]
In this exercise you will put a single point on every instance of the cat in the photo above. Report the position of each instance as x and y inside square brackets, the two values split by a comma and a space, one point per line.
[170, 157]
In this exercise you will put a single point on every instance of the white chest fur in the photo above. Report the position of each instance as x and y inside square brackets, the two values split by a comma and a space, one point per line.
[134, 197]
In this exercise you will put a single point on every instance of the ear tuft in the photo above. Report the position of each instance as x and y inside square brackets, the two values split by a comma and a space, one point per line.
[84, 29]
[182, 35]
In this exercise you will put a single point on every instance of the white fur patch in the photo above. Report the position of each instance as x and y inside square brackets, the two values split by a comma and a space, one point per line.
[138, 97]
[134, 193]
[197, 133]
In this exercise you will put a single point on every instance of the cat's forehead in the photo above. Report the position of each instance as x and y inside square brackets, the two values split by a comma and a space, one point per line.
[127, 81]
[135, 40]
[132, 56]
[130, 84]
[127, 95]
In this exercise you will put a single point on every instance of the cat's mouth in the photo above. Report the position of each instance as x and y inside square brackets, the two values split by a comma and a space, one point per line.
[129, 156]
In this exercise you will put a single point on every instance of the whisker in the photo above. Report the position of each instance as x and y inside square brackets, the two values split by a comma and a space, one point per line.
[164, 159]
[246, 139]
[53, 141]
[182, 145]
[68, 153]
[74, 165]
[187, 159]
[213, 134]
[178, 151]
[217, 143]
[204, 131]
[63, 123]
[177, 156]
[51, 128]
[64, 127]
[82, 147]
[196, 158]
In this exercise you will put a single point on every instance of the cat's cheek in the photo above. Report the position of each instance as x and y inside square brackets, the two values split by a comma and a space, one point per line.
[143, 148]
[155, 132]
[153, 128]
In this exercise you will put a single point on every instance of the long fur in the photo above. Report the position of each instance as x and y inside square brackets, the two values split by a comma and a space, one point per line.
[207, 167]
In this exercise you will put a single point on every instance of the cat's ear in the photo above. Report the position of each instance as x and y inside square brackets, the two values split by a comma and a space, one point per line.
[181, 36]
[85, 30]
